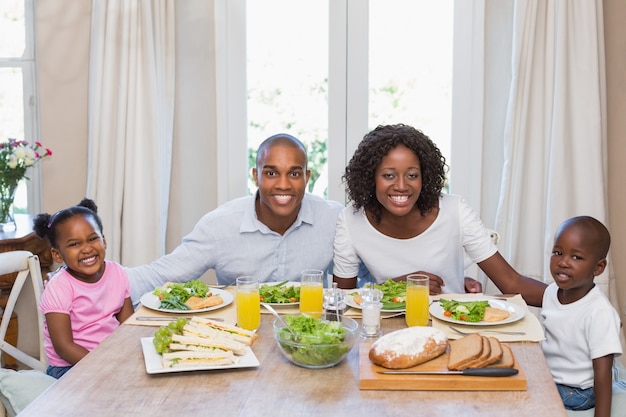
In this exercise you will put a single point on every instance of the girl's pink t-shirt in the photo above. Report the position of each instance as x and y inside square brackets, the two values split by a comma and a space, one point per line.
[91, 307]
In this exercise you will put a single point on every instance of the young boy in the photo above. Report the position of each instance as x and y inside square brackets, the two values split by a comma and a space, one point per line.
[582, 328]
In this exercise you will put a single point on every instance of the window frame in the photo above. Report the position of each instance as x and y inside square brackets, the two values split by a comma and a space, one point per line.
[27, 64]
[348, 27]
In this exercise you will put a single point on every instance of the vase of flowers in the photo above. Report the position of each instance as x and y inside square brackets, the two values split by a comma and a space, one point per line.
[16, 156]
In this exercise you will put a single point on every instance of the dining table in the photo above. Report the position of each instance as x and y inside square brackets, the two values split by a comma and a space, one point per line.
[112, 380]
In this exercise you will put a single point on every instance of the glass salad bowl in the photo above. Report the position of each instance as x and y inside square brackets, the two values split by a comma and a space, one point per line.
[315, 343]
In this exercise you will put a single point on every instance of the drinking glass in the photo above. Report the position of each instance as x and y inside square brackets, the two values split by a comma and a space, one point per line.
[312, 292]
[417, 288]
[248, 303]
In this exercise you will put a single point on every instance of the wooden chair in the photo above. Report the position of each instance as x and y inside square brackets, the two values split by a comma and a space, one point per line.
[27, 266]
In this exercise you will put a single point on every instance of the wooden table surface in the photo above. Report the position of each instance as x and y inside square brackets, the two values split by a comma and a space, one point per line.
[112, 381]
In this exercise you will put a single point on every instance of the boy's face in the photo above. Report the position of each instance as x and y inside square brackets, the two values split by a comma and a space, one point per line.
[575, 261]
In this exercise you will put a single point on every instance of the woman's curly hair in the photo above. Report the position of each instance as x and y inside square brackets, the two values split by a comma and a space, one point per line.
[360, 172]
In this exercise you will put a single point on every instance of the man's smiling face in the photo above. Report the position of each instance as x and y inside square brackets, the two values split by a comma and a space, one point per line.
[281, 176]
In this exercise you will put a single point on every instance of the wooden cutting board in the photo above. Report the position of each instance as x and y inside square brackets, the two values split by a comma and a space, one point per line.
[369, 379]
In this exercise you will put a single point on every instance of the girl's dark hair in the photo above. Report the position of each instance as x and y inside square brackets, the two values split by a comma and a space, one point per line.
[360, 172]
[45, 224]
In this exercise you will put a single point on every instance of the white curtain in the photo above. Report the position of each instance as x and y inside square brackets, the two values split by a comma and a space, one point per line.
[555, 130]
[131, 114]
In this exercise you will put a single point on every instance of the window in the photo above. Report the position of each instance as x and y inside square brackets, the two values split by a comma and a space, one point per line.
[287, 78]
[18, 114]
[328, 72]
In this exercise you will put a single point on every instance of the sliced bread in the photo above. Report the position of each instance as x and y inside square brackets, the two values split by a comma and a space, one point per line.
[496, 353]
[464, 350]
[507, 360]
[484, 356]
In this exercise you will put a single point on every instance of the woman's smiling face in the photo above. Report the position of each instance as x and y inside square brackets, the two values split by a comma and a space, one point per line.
[398, 180]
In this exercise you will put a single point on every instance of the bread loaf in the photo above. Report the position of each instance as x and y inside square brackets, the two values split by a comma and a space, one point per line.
[408, 347]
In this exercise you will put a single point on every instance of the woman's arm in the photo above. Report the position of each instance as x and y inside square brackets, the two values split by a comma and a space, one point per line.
[603, 385]
[509, 281]
[60, 329]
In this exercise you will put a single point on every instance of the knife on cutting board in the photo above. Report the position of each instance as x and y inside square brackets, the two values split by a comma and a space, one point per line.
[467, 372]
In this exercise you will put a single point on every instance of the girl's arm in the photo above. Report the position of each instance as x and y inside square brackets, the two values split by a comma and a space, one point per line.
[603, 385]
[60, 329]
[126, 311]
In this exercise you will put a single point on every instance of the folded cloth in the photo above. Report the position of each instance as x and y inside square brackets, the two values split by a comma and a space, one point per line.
[529, 324]
[227, 313]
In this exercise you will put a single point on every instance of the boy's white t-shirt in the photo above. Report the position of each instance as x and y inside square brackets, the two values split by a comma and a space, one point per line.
[576, 334]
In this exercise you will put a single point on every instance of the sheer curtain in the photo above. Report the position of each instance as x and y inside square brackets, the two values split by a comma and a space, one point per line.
[131, 96]
[555, 130]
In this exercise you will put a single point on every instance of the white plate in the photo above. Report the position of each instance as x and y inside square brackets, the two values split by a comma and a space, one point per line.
[290, 283]
[154, 364]
[350, 302]
[516, 313]
[152, 302]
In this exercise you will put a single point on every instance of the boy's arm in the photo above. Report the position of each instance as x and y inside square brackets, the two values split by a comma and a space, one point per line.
[603, 385]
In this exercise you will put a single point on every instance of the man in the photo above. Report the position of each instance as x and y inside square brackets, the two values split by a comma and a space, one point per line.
[272, 235]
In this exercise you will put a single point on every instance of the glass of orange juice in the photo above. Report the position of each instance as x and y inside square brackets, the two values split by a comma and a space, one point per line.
[417, 289]
[248, 303]
[312, 292]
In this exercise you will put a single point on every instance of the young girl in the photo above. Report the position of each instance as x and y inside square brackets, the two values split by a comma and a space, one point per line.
[89, 297]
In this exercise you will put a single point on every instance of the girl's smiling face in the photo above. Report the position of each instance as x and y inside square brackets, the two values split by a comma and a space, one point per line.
[398, 181]
[81, 246]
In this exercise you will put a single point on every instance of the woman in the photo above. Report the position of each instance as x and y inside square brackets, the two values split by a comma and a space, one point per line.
[401, 223]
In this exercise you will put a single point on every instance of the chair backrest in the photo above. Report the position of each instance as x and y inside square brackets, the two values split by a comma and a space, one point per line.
[26, 265]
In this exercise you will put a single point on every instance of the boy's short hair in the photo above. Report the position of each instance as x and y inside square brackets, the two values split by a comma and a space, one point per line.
[594, 230]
